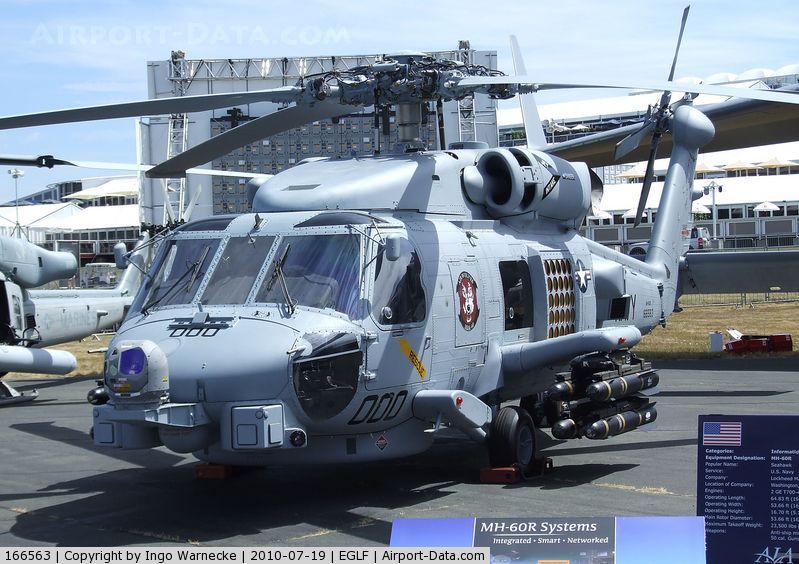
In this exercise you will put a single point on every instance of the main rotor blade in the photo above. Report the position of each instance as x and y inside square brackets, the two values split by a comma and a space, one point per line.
[176, 105]
[530, 117]
[260, 128]
[41, 161]
[650, 170]
[167, 203]
[186, 214]
[712, 89]
[48, 161]
[633, 140]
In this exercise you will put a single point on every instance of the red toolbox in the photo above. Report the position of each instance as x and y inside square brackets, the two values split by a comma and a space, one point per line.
[760, 344]
[780, 342]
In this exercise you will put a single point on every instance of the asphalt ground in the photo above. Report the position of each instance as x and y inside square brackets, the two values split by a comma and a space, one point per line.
[56, 488]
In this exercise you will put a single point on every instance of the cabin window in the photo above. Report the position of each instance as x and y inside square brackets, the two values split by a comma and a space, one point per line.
[320, 271]
[17, 312]
[398, 293]
[236, 270]
[517, 290]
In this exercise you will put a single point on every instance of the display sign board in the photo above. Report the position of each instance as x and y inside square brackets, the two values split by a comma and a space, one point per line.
[594, 540]
[748, 487]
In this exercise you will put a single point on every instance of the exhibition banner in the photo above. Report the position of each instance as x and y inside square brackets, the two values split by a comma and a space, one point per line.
[748, 487]
[590, 540]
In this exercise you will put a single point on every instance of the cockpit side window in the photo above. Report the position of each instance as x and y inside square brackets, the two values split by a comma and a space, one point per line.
[321, 271]
[398, 295]
[236, 271]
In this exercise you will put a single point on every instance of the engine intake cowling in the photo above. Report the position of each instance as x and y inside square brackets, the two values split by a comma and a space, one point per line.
[517, 181]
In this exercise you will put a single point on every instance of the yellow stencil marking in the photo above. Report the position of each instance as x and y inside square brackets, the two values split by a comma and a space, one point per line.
[413, 357]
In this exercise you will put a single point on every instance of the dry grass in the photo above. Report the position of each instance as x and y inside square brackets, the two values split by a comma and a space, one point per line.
[685, 335]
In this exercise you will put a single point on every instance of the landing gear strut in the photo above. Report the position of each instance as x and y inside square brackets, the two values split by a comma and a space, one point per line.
[9, 395]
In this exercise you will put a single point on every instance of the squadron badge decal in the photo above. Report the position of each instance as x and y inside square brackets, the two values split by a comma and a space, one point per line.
[467, 296]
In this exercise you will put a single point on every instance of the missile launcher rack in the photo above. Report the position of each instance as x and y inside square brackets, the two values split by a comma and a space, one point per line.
[601, 396]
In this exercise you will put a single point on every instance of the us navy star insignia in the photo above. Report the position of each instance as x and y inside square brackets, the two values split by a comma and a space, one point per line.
[583, 275]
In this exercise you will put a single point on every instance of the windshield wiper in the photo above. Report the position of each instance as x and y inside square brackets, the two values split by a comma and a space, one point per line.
[191, 268]
[196, 269]
[277, 274]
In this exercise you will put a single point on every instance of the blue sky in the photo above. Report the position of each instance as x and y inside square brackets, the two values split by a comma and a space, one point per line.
[58, 54]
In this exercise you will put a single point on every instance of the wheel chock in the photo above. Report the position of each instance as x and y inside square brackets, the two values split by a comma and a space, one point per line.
[503, 475]
[213, 471]
[514, 474]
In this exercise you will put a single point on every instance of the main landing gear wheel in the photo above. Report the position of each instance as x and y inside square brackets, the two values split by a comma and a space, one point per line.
[512, 439]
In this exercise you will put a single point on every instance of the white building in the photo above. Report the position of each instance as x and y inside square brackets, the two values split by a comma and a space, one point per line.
[88, 217]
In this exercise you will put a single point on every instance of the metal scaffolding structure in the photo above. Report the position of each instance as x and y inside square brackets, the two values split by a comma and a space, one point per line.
[178, 138]
[466, 112]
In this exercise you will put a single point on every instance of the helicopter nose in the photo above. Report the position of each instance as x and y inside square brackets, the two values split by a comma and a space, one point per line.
[245, 361]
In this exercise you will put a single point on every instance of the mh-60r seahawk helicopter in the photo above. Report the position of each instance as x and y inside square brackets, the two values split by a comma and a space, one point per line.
[368, 302]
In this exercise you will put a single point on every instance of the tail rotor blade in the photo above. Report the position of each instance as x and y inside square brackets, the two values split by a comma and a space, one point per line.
[633, 140]
[650, 170]
[679, 41]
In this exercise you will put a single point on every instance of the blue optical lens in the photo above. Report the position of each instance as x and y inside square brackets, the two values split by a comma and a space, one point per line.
[132, 362]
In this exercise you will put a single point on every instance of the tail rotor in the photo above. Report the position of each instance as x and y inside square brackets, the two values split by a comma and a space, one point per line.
[656, 123]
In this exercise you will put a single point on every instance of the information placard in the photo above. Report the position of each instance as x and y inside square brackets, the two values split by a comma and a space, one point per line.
[580, 540]
[748, 487]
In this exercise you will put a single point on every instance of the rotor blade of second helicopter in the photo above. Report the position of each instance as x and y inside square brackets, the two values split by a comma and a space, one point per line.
[260, 128]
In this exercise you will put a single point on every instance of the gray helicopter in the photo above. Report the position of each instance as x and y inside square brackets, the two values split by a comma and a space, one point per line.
[367, 303]
[31, 319]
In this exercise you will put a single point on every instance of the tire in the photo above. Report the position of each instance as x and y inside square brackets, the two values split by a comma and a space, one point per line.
[512, 439]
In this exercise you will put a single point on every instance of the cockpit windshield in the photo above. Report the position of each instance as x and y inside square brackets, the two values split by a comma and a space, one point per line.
[238, 267]
[321, 271]
[180, 273]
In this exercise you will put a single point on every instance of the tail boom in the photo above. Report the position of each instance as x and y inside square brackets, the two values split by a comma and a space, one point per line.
[691, 130]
